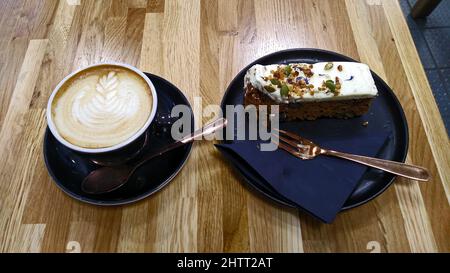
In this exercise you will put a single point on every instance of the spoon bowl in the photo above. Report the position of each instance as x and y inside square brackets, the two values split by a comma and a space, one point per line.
[106, 179]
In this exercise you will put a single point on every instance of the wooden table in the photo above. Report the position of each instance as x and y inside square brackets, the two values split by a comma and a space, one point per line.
[199, 46]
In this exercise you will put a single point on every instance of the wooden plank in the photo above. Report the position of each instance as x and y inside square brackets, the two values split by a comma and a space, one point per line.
[155, 6]
[35, 19]
[210, 197]
[137, 4]
[420, 149]
[152, 44]
[133, 36]
[90, 44]
[10, 72]
[407, 192]
[26, 20]
[115, 32]
[176, 215]
[227, 21]
[17, 163]
[30, 238]
[421, 91]
[73, 2]
[60, 52]
[118, 8]
[417, 223]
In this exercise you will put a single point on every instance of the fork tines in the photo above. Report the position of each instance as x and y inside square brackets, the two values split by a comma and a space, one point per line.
[294, 144]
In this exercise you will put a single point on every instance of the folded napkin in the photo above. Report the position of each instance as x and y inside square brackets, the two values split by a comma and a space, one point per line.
[320, 185]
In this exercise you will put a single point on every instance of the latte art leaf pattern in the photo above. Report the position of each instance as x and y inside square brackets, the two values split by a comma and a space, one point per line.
[109, 105]
[102, 107]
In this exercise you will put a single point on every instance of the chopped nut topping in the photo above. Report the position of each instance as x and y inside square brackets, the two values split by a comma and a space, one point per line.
[288, 79]
[330, 84]
[269, 88]
[308, 73]
[275, 82]
[287, 70]
[284, 90]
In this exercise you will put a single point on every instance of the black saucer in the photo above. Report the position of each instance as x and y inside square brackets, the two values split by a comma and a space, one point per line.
[68, 168]
[385, 115]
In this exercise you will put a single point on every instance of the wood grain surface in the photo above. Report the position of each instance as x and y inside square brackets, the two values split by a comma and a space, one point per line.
[199, 46]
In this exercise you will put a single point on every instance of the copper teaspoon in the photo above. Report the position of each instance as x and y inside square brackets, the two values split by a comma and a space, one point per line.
[107, 179]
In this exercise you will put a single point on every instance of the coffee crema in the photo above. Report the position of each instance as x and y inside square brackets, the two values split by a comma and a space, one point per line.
[101, 106]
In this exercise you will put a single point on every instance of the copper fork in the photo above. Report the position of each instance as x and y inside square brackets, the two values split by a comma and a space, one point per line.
[306, 149]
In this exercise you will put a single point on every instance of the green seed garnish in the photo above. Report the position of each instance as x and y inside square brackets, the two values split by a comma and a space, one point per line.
[287, 70]
[330, 84]
[275, 82]
[328, 66]
[284, 90]
[269, 88]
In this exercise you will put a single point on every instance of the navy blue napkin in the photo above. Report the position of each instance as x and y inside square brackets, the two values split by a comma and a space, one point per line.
[320, 185]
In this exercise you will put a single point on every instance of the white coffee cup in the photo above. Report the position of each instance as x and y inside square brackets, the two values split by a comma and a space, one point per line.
[54, 130]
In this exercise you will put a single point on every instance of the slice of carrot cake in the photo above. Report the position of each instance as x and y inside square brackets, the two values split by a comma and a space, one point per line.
[310, 91]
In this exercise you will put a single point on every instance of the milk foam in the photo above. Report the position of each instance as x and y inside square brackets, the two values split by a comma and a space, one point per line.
[102, 107]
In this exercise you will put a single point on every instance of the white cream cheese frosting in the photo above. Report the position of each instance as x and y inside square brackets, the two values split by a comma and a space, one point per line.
[319, 81]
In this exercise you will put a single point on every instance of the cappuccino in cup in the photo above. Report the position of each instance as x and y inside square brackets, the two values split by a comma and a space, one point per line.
[101, 108]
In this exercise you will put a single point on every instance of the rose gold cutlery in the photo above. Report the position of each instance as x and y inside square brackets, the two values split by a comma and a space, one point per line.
[306, 149]
[107, 179]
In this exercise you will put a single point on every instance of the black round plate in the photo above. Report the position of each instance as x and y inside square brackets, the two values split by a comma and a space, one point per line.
[68, 168]
[385, 112]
